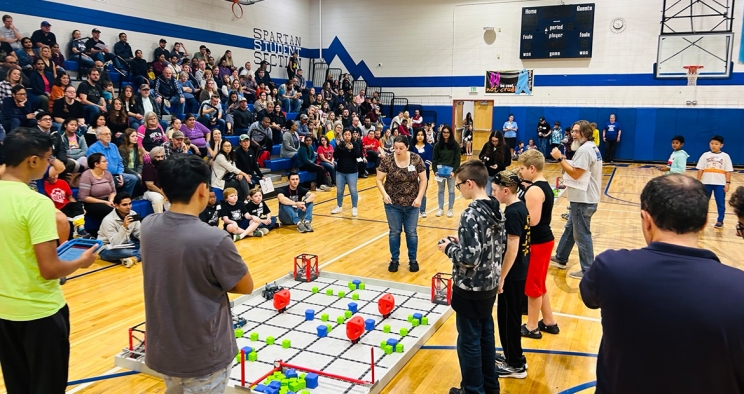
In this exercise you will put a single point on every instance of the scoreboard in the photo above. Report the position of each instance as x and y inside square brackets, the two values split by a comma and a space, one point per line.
[555, 32]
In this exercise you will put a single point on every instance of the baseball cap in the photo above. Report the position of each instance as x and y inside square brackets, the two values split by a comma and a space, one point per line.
[177, 135]
[163, 40]
[244, 137]
[96, 30]
[242, 99]
[144, 86]
[46, 24]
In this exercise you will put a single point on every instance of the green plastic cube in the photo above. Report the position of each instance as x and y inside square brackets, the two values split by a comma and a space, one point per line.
[410, 318]
[424, 321]
[294, 386]
[285, 382]
[386, 329]
[315, 289]
[254, 336]
[324, 317]
[383, 344]
[329, 327]
[286, 343]
[237, 358]
[403, 331]
[302, 376]
[341, 294]
[355, 296]
[399, 348]
[284, 390]
[415, 322]
[340, 320]
[388, 349]
[252, 356]
[304, 392]
[361, 286]
[352, 286]
[329, 292]
[348, 314]
[270, 340]
[239, 333]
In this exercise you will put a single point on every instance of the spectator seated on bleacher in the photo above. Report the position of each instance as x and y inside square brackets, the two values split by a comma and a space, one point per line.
[236, 218]
[211, 115]
[296, 204]
[73, 142]
[173, 64]
[145, 103]
[76, 51]
[159, 65]
[138, 69]
[11, 38]
[150, 134]
[97, 190]
[91, 96]
[26, 54]
[124, 181]
[60, 193]
[260, 131]
[196, 132]
[290, 141]
[372, 147]
[120, 232]
[225, 174]
[242, 117]
[167, 88]
[278, 120]
[190, 105]
[291, 98]
[17, 110]
[306, 161]
[130, 155]
[262, 77]
[154, 193]
[246, 159]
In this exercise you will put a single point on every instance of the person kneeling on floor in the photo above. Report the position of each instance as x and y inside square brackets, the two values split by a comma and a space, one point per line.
[120, 233]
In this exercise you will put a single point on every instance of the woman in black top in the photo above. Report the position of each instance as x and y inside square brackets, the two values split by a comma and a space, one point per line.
[347, 155]
[117, 120]
[496, 155]
[538, 198]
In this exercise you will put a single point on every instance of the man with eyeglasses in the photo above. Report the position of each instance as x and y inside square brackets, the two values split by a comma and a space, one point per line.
[91, 96]
[672, 292]
[17, 111]
[34, 317]
[124, 182]
[11, 62]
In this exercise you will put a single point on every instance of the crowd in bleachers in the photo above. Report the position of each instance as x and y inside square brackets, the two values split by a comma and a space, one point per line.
[109, 141]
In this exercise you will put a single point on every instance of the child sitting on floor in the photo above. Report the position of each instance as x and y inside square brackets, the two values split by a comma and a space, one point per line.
[260, 212]
[235, 216]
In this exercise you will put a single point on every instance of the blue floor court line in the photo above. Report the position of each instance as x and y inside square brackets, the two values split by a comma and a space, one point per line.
[102, 377]
[538, 351]
[579, 388]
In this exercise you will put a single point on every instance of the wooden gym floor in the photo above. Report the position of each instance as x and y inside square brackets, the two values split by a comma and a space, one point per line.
[104, 304]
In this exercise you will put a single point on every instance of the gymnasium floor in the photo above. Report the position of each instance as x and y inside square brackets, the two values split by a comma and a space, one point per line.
[104, 304]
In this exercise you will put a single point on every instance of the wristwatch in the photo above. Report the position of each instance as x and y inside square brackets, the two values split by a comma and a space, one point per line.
[560, 159]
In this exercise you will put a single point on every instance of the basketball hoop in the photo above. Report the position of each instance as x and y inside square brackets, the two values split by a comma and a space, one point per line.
[237, 13]
[692, 74]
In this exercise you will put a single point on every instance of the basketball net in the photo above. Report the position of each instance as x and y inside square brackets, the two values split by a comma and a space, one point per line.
[692, 74]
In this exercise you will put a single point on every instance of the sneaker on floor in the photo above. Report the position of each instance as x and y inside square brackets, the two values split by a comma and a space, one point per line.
[449, 213]
[354, 212]
[439, 213]
[718, 225]
[577, 274]
[413, 266]
[308, 227]
[128, 262]
[554, 262]
[324, 188]
[264, 230]
[336, 210]
[422, 214]
[534, 334]
[456, 390]
[393, 266]
[507, 371]
[549, 329]
[257, 233]
[501, 359]
[301, 227]
[236, 238]
[564, 216]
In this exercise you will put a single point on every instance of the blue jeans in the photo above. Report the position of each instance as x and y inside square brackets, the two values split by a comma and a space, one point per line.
[399, 218]
[90, 112]
[114, 255]
[289, 215]
[206, 122]
[216, 382]
[130, 181]
[450, 188]
[291, 105]
[475, 351]
[176, 107]
[718, 194]
[578, 230]
[331, 171]
[489, 188]
[341, 181]
[543, 145]
[269, 226]
[422, 209]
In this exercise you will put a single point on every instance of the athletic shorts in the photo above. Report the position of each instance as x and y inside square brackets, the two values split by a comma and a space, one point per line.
[510, 142]
[537, 272]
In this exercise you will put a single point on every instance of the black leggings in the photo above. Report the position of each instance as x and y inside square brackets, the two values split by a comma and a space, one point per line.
[610, 150]
[97, 211]
[243, 187]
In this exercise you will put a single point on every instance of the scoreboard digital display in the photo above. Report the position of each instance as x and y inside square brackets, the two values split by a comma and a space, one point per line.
[557, 32]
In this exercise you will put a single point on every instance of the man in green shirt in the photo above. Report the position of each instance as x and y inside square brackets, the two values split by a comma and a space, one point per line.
[34, 318]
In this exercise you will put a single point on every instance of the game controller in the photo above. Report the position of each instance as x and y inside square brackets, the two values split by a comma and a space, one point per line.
[450, 238]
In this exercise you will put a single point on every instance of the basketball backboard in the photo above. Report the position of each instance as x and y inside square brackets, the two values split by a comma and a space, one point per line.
[710, 50]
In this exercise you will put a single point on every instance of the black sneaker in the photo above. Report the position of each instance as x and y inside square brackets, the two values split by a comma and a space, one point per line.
[393, 266]
[534, 334]
[413, 266]
[507, 371]
[501, 359]
[456, 390]
[549, 329]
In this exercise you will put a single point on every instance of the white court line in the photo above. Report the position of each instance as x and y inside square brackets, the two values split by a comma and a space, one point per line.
[594, 319]
[85, 385]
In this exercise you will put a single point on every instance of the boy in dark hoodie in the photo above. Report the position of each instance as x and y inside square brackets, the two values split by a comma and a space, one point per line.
[476, 255]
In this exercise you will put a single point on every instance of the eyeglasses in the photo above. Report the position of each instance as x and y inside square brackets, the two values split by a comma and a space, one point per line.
[49, 159]
[20, 94]
[457, 185]
[739, 230]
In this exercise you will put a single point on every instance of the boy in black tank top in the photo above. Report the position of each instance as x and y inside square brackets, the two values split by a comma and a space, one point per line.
[539, 199]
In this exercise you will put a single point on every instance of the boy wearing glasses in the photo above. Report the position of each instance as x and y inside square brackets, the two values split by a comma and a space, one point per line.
[476, 255]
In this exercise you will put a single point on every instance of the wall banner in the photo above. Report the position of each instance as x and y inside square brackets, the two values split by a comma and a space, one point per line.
[509, 81]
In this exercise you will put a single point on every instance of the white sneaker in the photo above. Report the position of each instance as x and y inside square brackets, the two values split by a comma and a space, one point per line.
[324, 188]
[440, 213]
[264, 231]
[354, 212]
[336, 210]
[423, 214]
[128, 262]
[449, 213]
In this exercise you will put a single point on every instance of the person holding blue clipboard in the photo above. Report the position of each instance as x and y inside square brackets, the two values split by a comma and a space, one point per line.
[34, 317]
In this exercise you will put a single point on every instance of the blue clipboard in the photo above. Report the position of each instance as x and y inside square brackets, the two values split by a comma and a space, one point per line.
[72, 250]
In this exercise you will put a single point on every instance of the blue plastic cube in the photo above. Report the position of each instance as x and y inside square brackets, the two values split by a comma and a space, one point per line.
[418, 317]
[260, 388]
[290, 373]
[356, 282]
[311, 380]
[275, 385]
[271, 390]
[353, 307]
[369, 324]
[322, 331]
[247, 350]
[392, 342]
[309, 314]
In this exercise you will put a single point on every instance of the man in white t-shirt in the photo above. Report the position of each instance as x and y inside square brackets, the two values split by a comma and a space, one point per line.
[582, 192]
[9, 34]
[714, 171]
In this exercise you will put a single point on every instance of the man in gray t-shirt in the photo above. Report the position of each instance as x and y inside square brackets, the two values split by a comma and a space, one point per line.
[583, 194]
[9, 33]
[188, 269]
